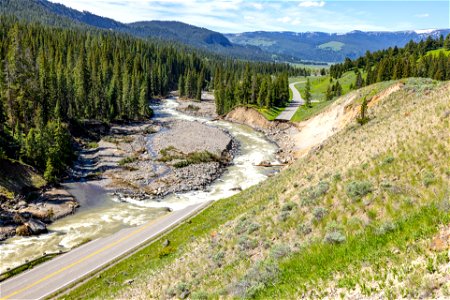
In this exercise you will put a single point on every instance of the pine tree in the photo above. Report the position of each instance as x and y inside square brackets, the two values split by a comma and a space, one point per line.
[358, 81]
[447, 42]
[199, 87]
[181, 86]
[329, 93]
[363, 119]
[308, 93]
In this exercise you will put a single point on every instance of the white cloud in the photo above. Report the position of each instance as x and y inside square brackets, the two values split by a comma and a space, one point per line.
[258, 6]
[422, 15]
[284, 20]
[312, 4]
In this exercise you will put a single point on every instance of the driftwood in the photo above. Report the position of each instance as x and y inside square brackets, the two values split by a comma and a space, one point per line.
[270, 165]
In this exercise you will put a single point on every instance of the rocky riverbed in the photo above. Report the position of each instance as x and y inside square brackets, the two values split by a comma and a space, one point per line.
[152, 159]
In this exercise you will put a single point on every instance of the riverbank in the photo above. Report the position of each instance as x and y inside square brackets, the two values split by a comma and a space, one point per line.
[27, 204]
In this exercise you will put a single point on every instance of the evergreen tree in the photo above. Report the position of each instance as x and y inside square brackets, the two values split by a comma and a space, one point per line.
[329, 93]
[181, 86]
[363, 119]
[308, 93]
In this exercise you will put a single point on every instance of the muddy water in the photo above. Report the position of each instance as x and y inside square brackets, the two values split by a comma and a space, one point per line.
[101, 214]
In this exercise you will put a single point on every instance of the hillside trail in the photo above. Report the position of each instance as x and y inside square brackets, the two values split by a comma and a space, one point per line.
[316, 130]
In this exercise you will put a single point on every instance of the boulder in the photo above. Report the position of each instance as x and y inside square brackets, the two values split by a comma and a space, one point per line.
[36, 226]
[23, 230]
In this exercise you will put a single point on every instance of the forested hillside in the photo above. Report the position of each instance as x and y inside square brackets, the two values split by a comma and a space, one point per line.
[58, 15]
[52, 77]
[414, 60]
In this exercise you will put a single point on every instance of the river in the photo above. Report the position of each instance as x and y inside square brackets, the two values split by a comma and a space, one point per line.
[101, 214]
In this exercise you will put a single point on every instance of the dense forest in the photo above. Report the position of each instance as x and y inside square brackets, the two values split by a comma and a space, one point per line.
[414, 60]
[249, 88]
[51, 77]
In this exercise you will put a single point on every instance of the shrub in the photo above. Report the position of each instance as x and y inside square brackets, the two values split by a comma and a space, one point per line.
[166, 251]
[311, 194]
[334, 237]
[288, 206]
[199, 295]
[127, 160]
[358, 189]
[280, 251]
[304, 229]
[284, 216]
[218, 258]
[428, 179]
[388, 160]
[247, 226]
[319, 213]
[385, 228]
[246, 243]
[258, 277]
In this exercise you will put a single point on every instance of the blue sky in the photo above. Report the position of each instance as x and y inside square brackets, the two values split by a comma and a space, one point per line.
[231, 16]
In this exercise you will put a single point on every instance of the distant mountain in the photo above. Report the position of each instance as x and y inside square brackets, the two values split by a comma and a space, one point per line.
[321, 46]
[259, 45]
[59, 15]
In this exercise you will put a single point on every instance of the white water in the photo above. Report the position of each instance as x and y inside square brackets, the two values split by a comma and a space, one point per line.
[101, 215]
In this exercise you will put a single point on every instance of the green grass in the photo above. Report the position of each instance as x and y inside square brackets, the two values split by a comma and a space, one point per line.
[270, 113]
[319, 85]
[92, 145]
[26, 266]
[127, 160]
[304, 113]
[436, 52]
[333, 45]
[320, 260]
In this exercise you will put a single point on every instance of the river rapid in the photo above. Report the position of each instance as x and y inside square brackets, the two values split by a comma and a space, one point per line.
[101, 214]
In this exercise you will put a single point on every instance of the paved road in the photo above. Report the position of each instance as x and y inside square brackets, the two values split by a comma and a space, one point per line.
[297, 100]
[57, 273]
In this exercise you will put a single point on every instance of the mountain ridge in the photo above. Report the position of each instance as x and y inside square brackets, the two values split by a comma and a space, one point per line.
[286, 46]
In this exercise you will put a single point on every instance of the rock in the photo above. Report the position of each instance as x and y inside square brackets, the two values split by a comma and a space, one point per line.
[166, 243]
[237, 188]
[185, 294]
[36, 226]
[128, 281]
[23, 230]
[22, 204]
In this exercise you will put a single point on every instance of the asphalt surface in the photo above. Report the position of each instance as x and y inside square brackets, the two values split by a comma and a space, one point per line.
[297, 100]
[68, 268]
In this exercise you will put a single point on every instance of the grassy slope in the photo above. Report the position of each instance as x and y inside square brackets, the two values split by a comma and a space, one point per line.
[241, 246]
[438, 51]
[319, 86]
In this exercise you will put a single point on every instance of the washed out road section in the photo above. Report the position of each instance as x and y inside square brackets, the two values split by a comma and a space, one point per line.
[67, 269]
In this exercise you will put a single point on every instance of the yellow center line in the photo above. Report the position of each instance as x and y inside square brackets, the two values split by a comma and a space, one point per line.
[78, 261]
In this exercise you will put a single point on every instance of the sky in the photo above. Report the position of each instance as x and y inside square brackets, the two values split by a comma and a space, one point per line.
[234, 16]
